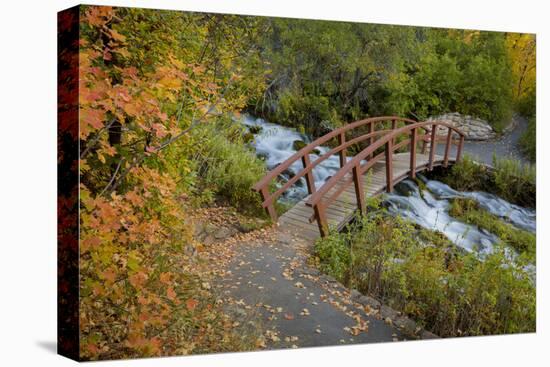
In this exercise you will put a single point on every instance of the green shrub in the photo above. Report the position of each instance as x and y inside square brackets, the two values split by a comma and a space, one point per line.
[312, 113]
[335, 253]
[510, 179]
[467, 175]
[422, 274]
[514, 181]
[528, 140]
[527, 105]
[226, 167]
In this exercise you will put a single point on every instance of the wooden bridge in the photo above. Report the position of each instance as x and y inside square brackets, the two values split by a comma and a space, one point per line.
[387, 150]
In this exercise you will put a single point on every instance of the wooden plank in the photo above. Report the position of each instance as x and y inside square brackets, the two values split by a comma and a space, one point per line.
[307, 213]
[310, 228]
[343, 208]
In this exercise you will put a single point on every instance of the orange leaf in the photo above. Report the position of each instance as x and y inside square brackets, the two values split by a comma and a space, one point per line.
[117, 36]
[191, 304]
[165, 278]
[171, 293]
[92, 117]
[109, 275]
[130, 109]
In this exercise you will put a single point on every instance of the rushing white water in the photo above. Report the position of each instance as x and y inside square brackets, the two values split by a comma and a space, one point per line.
[521, 217]
[428, 209]
[275, 144]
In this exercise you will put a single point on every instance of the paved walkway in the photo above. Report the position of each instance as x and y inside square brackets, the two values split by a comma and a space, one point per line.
[269, 283]
[296, 305]
[506, 146]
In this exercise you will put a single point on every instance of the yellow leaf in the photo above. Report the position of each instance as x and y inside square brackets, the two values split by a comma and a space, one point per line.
[170, 82]
[100, 157]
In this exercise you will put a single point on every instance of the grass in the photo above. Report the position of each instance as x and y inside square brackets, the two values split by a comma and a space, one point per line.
[509, 178]
[468, 211]
[226, 167]
[421, 273]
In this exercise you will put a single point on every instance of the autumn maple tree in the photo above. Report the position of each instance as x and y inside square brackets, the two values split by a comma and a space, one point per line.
[141, 92]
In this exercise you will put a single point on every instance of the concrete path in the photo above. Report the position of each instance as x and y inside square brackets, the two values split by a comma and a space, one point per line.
[506, 146]
[296, 305]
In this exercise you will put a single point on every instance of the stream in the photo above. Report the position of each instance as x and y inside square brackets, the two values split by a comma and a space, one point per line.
[428, 207]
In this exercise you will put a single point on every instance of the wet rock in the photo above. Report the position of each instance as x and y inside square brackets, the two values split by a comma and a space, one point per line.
[248, 137]
[299, 144]
[256, 129]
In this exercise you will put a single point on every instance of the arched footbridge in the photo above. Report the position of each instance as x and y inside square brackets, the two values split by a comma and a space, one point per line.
[386, 151]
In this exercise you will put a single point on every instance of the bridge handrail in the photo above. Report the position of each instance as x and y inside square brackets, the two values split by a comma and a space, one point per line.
[272, 174]
[303, 154]
[355, 163]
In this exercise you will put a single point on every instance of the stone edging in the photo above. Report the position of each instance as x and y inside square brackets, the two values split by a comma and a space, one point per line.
[473, 128]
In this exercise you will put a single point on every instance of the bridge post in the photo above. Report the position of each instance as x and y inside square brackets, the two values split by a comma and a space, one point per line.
[270, 209]
[309, 175]
[424, 143]
[389, 166]
[393, 126]
[369, 140]
[359, 190]
[459, 149]
[433, 144]
[342, 140]
[412, 173]
[447, 148]
[321, 219]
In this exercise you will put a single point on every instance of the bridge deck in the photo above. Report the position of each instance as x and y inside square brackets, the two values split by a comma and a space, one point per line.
[341, 210]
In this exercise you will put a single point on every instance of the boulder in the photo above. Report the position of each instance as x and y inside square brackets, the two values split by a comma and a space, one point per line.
[473, 128]
[369, 301]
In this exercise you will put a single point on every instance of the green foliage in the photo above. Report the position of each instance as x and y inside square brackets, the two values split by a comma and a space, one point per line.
[508, 178]
[334, 252]
[514, 181]
[329, 73]
[226, 167]
[527, 105]
[306, 111]
[464, 71]
[422, 274]
[468, 211]
[528, 140]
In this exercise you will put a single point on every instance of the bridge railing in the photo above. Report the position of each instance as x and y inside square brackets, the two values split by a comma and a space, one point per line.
[353, 171]
[372, 134]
